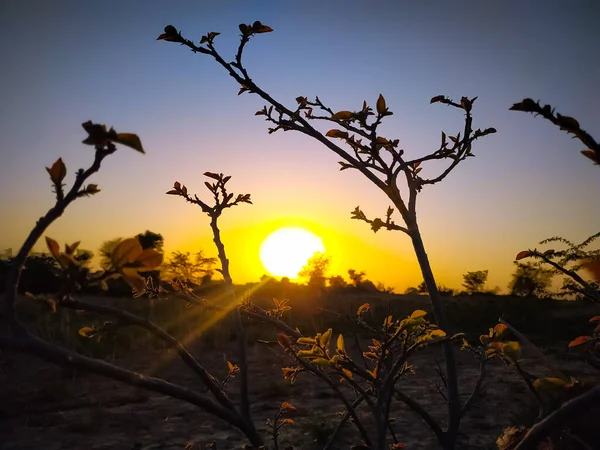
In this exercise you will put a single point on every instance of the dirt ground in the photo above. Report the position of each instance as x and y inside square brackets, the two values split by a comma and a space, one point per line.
[43, 407]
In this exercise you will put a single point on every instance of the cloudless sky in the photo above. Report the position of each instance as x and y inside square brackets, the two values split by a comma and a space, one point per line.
[66, 62]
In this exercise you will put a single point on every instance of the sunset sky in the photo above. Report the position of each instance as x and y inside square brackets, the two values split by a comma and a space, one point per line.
[66, 62]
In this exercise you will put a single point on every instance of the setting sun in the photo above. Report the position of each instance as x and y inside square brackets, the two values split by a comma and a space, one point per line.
[285, 251]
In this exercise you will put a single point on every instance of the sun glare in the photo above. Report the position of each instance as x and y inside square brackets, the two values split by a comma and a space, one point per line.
[285, 251]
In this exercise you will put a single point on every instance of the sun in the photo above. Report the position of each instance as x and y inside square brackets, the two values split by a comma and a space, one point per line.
[285, 251]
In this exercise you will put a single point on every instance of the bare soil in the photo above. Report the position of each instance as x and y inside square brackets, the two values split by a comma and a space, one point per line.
[46, 407]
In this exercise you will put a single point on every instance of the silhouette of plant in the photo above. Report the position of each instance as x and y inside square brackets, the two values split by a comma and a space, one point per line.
[377, 157]
[474, 281]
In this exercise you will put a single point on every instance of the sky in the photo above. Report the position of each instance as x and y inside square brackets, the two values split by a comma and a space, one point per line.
[66, 62]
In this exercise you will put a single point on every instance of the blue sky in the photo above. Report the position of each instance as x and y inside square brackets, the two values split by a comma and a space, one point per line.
[66, 62]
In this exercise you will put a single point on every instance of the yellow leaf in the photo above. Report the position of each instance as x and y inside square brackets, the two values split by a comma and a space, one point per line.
[342, 115]
[512, 351]
[337, 134]
[57, 171]
[363, 308]
[70, 249]
[523, 254]
[321, 362]
[136, 282]
[418, 313]
[580, 341]
[130, 140]
[499, 330]
[307, 341]
[85, 331]
[438, 334]
[126, 252]
[340, 344]
[326, 338]
[549, 383]
[53, 247]
[381, 107]
[149, 259]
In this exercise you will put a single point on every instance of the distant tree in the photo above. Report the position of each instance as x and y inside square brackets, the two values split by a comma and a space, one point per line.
[474, 281]
[316, 269]
[529, 280]
[149, 239]
[337, 282]
[357, 278]
[422, 288]
[188, 268]
[411, 291]
[106, 249]
[383, 288]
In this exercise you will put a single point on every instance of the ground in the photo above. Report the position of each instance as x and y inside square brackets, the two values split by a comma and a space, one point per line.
[45, 407]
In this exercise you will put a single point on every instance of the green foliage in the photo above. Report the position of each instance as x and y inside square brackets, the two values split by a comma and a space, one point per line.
[474, 281]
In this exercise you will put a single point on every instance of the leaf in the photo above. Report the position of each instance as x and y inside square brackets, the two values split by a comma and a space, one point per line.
[418, 313]
[594, 268]
[566, 122]
[284, 340]
[524, 254]
[172, 192]
[343, 115]
[591, 155]
[437, 98]
[149, 259]
[326, 338]
[512, 351]
[580, 341]
[527, 105]
[58, 171]
[363, 309]
[546, 383]
[212, 175]
[285, 406]
[499, 330]
[321, 362]
[170, 35]
[53, 247]
[340, 344]
[134, 279]
[97, 134]
[381, 107]
[130, 140]
[86, 331]
[258, 27]
[595, 319]
[337, 134]
[437, 334]
[126, 252]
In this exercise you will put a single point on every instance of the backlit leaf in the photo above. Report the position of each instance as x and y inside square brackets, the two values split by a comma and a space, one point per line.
[340, 344]
[418, 313]
[85, 331]
[149, 259]
[381, 107]
[437, 98]
[53, 247]
[130, 140]
[512, 351]
[545, 383]
[523, 254]
[57, 171]
[337, 134]
[258, 27]
[321, 362]
[580, 341]
[126, 252]
[342, 115]
[595, 319]
[285, 406]
[326, 338]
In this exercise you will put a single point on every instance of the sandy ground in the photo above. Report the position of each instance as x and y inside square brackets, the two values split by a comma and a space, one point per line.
[44, 407]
